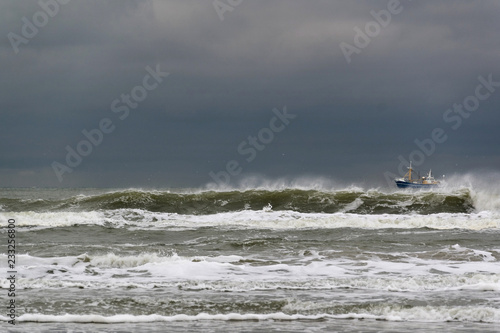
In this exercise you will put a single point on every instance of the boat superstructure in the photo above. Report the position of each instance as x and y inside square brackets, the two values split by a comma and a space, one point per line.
[418, 182]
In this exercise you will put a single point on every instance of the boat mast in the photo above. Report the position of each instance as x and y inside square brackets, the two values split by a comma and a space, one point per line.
[409, 172]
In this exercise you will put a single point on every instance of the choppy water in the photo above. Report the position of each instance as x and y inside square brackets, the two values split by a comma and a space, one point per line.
[290, 259]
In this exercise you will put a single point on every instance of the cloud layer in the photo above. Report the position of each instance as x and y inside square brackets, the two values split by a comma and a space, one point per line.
[354, 119]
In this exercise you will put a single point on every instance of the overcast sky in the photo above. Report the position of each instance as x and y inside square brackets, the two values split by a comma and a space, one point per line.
[353, 85]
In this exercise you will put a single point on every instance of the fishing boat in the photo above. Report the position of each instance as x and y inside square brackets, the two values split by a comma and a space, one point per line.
[419, 182]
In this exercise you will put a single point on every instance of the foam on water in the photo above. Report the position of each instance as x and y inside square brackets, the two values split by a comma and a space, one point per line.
[141, 256]
[266, 219]
[32, 219]
[380, 312]
[483, 187]
[231, 272]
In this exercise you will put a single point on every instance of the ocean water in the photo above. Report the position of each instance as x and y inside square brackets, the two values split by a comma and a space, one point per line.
[282, 258]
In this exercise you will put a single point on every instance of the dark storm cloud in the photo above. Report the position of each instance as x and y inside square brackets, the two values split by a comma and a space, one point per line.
[226, 77]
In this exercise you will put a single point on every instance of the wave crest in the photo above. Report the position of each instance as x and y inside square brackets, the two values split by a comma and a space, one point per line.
[352, 200]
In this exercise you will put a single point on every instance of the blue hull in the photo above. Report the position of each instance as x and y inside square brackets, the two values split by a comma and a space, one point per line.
[402, 184]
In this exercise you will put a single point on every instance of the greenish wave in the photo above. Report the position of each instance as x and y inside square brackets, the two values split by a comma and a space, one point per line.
[213, 202]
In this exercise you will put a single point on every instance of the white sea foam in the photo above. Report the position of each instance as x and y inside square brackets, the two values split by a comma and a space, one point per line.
[54, 219]
[381, 312]
[423, 283]
[294, 220]
[353, 205]
[266, 219]
[483, 187]
[231, 272]
[126, 318]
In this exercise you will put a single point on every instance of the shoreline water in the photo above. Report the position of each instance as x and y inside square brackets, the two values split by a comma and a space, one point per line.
[293, 259]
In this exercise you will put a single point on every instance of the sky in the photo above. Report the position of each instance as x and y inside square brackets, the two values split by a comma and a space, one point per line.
[176, 93]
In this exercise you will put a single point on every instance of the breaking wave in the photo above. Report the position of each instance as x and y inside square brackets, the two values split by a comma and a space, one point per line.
[355, 200]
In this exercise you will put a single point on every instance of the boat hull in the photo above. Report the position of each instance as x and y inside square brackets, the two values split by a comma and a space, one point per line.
[403, 184]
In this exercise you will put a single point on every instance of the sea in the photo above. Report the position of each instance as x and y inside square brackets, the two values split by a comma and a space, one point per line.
[279, 257]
